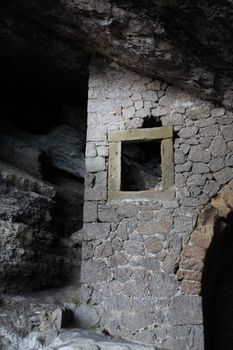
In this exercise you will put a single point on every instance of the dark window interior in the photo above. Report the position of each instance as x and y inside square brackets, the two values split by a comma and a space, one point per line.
[140, 166]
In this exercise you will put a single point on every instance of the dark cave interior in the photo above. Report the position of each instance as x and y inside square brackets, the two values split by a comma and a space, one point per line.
[140, 166]
[34, 92]
[217, 288]
[43, 126]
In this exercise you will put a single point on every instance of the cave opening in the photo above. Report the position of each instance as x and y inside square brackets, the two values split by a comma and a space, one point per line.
[217, 287]
[141, 166]
[43, 117]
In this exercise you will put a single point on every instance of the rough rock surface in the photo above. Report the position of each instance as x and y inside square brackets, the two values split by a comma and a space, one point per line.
[63, 146]
[28, 255]
[188, 44]
[41, 203]
[83, 340]
[41, 322]
[75, 339]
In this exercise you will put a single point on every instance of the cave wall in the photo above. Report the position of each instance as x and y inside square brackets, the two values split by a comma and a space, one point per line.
[131, 249]
[41, 200]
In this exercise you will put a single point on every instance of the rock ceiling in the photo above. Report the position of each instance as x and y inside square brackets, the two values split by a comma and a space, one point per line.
[186, 43]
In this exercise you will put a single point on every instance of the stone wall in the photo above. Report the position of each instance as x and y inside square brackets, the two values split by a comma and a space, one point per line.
[132, 249]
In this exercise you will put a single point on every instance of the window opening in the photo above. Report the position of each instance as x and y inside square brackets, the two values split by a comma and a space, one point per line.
[141, 166]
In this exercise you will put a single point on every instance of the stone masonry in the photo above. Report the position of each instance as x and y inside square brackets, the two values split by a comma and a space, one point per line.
[132, 249]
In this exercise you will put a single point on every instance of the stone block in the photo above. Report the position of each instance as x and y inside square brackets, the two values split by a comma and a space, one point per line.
[163, 286]
[142, 113]
[221, 206]
[102, 150]
[175, 119]
[200, 168]
[196, 180]
[205, 122]
[95, 231]
[218, 147]
[136, 96]
[193, 140]
[85, 294]
[134, 324]
[179, 180]
[180, 168]
[154, 85]
[95, 271]
[122, 230]
[153, 246]
[153, 227]
[96, 134]
[126, 102]
[224, 175]
[146, 215]
[150, 95]
[216, 164]
[128, 112]
[185, 309]
[117, 245]
[193, 264]
[107, 213]
[163, 216]
[188, 132]
[205, 141]
[91, 150]
[183, 224]
[229, 160]
[90, 212]
[217, 112]
[134, 123]
[175, 343]
[138, 86]
[230, 146]
[126, 211]
[199, 154]
[100, 105]
[227, 132]
[138, 105]
[189, 275]
[159, 111]
[191, 287]
[96, 187]
[179, 157]
[95, 164]
[86, 316]
[198, 113]
[170, 204]
[202, 237]
[87, 251]
[182, 193]
[189, 202]
[134, 248]
[226, 120]
[103, 250]
[209, 130]
[194, 252]
[211, 188]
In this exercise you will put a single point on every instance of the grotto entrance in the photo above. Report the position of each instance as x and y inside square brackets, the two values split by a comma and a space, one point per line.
[217, 288]
[43, 113]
